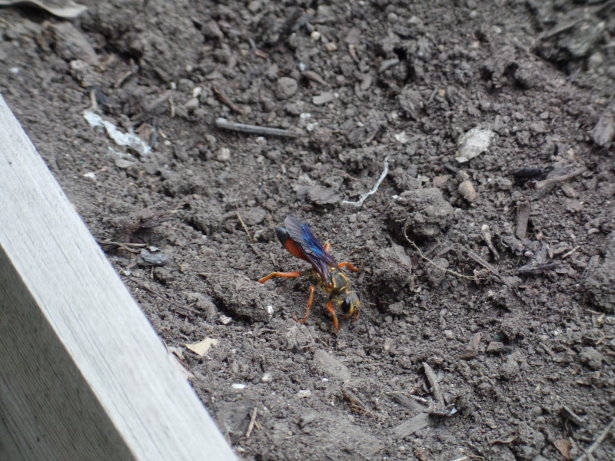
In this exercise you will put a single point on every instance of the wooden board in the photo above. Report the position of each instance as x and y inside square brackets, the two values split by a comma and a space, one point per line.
[83, 376]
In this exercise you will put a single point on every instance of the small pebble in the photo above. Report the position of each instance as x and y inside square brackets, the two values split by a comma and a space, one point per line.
[466, 189]
[591, 357]
[331, 46]
[326, 364]
[323, 98]
[286, 87]
[223, 155]
[152, 258]
[495, 347]
[191, 104]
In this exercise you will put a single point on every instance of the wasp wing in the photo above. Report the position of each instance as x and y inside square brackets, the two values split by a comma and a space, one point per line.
[318, 257]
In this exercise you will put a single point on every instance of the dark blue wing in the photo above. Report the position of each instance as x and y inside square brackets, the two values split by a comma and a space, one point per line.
[302, 234]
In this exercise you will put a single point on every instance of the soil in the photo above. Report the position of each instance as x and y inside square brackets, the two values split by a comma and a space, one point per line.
[487, 286]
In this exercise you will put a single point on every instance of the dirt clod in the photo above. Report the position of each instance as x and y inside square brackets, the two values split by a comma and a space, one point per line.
[420, 214]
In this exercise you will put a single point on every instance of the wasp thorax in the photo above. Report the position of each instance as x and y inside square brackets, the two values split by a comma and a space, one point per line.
[339, 280]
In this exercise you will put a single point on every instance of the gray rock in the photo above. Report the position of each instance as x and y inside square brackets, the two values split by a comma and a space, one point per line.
[591, 357]
[510, 368]
[600, 280]
[604, 131]
[324, 98]
[330, 366]
[319, 195]
[152, 258]
[286, 87]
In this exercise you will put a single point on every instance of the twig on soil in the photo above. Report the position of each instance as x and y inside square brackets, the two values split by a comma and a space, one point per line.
[225, 124]
[523, 217]
[252, 422]
[530, 269]
[355, 402]
[564, 256]
[546, 185]
[93, 103]
[224, 99]
[443, 269]
[594, 446]
[488, 240]
[122, 78]
[359, 203]
[245, 228]
[486, 265]
[127, 246]
[435, 387]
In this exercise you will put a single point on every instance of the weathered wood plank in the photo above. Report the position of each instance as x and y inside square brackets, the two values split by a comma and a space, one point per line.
[83, 375]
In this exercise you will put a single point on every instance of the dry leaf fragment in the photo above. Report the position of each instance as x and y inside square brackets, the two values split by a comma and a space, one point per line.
[202, 347]
[61, 8]
[564, 446]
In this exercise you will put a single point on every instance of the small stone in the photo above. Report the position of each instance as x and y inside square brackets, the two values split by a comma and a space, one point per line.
[591, 357]
[440, 180]
[473, 143]
[224, 154]
[191, 104]
[526, 76]
[324, 98]
[152, 258]
[123, 163]
[495, 347]
[319, 195]
[286, 87]
[71, 43]
[211, 29]
[600, 278]
[573, 205]
[466, 189]
[510, 368]
[328, 365]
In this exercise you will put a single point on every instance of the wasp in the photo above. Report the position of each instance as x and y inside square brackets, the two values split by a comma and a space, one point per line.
[326, 273]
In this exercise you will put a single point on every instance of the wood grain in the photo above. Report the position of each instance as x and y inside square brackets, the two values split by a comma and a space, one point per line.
[83, 376]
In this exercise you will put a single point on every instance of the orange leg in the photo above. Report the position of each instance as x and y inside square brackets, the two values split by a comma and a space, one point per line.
[280, 274]
[331, 309]
[327, 247]
[349, 265]
[308, 308]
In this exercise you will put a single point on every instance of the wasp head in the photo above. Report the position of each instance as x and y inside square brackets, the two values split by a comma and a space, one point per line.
[350, 305]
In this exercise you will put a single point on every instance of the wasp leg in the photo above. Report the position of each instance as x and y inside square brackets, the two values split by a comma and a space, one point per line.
[308, 308]
[349, 265]
[280, 274]
[352, 267]
[331, 309]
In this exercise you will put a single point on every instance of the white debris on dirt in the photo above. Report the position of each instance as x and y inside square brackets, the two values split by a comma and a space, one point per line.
[118, 136]
[202, 347]
[473, 143]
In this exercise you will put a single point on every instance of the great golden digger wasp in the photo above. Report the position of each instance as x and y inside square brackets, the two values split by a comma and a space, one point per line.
[297, 237]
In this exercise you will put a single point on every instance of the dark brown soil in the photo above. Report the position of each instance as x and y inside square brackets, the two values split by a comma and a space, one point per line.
[493, 278]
